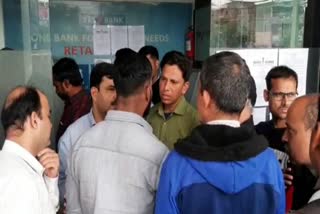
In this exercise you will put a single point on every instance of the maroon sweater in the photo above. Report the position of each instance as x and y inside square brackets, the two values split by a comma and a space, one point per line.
[74, 108]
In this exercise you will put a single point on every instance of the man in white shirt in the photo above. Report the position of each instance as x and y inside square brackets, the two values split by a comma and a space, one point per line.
[103, 95]
[115, 166]
[28, 169]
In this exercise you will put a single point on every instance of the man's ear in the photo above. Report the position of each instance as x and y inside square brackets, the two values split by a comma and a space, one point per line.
[315, 137]
[185, 87]
[94, 92]
[314, 149]
[266, 95]
[65, 85]
[148, 92]
[206, 99]
[34, 120]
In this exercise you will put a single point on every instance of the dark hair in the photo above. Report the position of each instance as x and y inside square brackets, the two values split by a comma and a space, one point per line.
[149, 50]
[130, 74]
[6, 49]
[99, 71]
[252, 91]
[67, 69]
[280, 72]
[123, 53]
[226, 77]
[16, 111]
[180, 60]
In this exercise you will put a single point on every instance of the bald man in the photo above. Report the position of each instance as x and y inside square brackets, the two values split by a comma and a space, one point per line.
[28, 169]
[300, 121]
[313, 206]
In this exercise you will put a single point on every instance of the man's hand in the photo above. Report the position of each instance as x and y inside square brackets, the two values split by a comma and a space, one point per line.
[288, 178]
[49, 159]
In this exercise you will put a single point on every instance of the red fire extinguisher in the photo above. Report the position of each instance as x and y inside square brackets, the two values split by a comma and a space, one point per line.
[190, 46]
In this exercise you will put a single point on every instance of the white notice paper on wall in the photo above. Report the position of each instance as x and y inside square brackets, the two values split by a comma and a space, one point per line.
[136, 37]
[297, 60]
[119, 38]
[101, 40]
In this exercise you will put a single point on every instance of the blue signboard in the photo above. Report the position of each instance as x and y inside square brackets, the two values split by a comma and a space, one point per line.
[71, 25]
[66, 27]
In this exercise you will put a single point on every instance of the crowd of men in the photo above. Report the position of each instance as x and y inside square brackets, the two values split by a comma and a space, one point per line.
[134, 144]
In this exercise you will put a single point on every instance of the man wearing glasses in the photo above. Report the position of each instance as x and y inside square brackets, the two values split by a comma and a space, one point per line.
[282, 83]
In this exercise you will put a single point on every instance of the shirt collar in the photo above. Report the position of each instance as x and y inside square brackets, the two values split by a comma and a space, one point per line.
[315, 196]
[91, 119]
[180, 109]
[14, 148]
[232, 123]
[130, 117]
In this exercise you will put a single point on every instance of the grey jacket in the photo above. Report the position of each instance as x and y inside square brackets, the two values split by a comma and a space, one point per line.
[114, 167]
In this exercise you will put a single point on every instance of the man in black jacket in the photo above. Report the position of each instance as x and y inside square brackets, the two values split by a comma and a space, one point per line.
[152, 55]
[282, 83]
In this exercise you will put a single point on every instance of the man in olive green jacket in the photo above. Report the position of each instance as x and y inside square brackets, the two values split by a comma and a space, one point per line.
[173, 118]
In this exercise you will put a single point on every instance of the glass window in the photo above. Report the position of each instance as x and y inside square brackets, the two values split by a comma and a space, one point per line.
[257, 23]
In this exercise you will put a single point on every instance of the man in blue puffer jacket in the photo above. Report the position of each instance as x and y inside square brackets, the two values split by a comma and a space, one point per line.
[222, 168]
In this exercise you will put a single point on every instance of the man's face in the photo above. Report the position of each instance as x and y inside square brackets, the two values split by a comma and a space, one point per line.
[155, 67]
[172, 85]
[45, 121]
[60, 90]
[105, 96]
[283, 92]
[297, 136]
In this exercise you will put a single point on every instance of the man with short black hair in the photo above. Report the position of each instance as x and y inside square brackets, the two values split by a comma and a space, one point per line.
[281, 91]
[115, 166]
[152, 55]
[282, 84]
[103, 95]
[28, 169]
[123, 54]
[67, 81]
[173, 118]
[221, 167]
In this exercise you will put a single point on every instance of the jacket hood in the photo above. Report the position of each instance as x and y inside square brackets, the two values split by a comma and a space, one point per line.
[231, 151]
[222, 143]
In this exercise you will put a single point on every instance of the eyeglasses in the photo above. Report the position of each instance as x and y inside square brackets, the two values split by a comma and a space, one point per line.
[280, 95]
